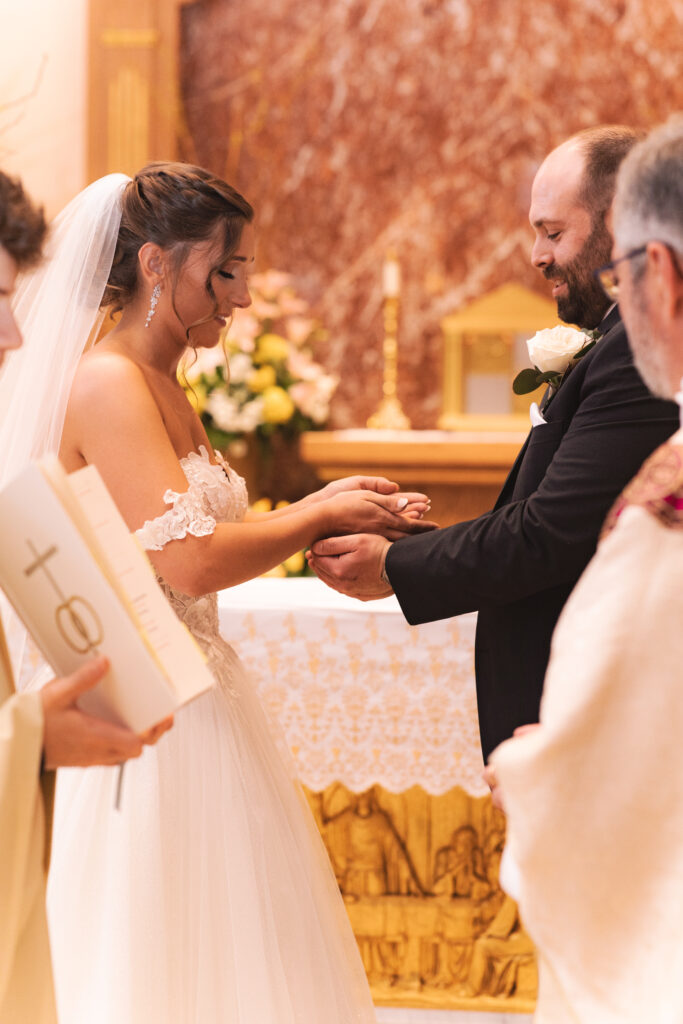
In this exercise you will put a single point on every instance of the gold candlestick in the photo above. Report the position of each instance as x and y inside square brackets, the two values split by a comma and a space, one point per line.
[390, 415]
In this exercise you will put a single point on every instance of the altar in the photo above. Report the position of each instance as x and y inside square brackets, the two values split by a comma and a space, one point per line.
[381, 720]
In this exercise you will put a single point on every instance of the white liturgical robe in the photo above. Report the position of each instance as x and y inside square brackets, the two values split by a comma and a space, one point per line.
[595, 795]
[26, 992]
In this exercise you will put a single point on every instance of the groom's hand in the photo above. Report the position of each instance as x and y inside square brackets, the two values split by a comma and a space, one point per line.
[352, 565]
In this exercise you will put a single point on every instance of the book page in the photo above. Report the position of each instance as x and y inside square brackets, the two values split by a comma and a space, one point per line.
[178, 653]
[50, 576]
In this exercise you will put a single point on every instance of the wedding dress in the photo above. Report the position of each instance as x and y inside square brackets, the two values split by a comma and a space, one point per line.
[207, 898]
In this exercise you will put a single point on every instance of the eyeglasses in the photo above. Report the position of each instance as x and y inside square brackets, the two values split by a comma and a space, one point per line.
[609, 280]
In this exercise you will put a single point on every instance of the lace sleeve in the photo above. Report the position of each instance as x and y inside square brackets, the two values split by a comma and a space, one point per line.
[186, 515]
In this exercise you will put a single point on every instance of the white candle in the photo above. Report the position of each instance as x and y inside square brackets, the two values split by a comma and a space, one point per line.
[391, 278]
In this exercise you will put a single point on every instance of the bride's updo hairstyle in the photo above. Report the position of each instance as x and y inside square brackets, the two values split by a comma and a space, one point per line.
[175, 206]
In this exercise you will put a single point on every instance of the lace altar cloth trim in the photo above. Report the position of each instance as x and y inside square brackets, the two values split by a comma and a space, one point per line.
[363, 697]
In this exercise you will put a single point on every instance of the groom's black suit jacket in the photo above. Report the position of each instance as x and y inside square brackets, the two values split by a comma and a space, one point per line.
[518, 563]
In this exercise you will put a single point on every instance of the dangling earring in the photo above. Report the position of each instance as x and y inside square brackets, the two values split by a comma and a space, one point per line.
[156, 292]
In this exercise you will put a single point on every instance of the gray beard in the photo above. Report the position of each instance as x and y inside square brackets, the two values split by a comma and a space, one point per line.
[651, 365]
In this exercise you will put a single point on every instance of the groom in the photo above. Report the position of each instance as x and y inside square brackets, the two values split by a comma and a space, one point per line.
[594, 795]
[40, 731]
[517, 564]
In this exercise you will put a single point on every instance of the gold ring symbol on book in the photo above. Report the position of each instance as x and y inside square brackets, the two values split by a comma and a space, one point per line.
[79, 625]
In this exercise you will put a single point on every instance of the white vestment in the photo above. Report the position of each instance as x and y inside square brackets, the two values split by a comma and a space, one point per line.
[26, 992]
[595, 796]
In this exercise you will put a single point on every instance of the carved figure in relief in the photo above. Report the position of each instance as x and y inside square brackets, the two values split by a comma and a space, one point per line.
[455, 936]
[503, 957]
[371, 861]
[459, 867]
[369, 855]
[466, 873]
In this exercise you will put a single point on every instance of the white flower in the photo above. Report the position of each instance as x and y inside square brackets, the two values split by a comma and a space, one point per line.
[223, 410]
[313, 397]
[204, 360]
[553, 349]
[230, 416]
[241, 367]
[250, 416]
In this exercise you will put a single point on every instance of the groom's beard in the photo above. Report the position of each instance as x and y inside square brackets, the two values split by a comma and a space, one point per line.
[585, 303]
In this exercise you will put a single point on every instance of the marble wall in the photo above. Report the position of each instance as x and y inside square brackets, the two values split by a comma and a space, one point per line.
[353, 125]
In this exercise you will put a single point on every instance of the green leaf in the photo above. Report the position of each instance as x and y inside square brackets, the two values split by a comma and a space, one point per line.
[551, 377]
[527, 380]
[586, 348]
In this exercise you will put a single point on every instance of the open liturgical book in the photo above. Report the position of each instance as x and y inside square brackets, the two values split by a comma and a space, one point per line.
[83, 586]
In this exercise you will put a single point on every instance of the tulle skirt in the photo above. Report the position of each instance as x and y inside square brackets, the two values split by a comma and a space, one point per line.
[208, 897]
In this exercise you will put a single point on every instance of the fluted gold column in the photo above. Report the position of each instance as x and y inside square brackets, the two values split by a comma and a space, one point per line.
[133, 84]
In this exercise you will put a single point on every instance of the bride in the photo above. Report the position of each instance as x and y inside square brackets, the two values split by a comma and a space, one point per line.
[208, 897]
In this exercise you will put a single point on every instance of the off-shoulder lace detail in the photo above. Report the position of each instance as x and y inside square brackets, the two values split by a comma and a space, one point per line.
[215, 494]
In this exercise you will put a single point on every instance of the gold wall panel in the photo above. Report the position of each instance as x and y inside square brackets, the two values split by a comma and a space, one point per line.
[419, 876]
[128, 119]
[133, 84]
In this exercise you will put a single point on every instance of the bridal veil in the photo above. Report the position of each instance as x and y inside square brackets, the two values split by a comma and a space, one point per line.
[57, 309]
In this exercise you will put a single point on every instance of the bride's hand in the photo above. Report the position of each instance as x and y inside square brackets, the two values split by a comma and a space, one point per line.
[418, 503]
[390, 515]
[379, 484]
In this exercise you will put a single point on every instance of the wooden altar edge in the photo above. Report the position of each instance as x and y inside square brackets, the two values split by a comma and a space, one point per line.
[448, 458]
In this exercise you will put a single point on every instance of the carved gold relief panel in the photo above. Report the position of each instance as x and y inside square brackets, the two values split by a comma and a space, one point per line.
[419, 876]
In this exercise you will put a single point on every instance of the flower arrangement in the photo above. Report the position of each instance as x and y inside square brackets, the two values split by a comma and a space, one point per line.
[273, 383]
[553, 352]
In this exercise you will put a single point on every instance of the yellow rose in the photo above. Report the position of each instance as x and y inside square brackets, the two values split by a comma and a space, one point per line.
[278, 407]
[262, 378]
[271, 348]
[262, 505]
[197, 394]
[278, 572]
[295, 562]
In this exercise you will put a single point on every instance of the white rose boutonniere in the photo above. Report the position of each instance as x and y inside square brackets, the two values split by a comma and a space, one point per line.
[553, 352]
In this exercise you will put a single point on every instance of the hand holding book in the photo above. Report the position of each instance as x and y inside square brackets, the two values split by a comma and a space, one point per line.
[83, 587]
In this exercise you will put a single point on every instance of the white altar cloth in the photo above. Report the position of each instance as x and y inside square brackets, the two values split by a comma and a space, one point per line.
[363, 697]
